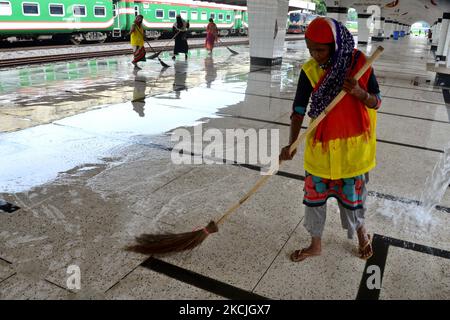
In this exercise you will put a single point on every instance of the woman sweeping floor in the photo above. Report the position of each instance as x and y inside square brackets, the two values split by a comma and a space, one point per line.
[180, 29]
[212, 35]
[137, 41]
[341, 151]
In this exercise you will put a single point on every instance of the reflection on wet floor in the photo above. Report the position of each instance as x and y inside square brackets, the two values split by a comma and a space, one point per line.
[78, 114]
[42, 94]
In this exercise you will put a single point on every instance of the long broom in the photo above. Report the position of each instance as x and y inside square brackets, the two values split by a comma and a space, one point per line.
[157, 53]
[231, 50]
[166, 243]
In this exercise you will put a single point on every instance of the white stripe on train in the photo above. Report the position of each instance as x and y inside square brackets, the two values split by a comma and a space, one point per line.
[192, 25]
[55, 25]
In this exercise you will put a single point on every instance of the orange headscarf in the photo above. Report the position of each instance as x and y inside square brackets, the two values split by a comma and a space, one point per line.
[319, 31]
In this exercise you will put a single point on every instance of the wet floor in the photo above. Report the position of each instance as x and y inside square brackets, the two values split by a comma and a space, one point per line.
[79, 111]
[86, 155]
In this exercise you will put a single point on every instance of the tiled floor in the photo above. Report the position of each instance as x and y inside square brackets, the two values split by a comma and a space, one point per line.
[88, 160]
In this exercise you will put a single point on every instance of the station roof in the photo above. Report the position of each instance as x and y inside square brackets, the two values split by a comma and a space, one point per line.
[408, 12]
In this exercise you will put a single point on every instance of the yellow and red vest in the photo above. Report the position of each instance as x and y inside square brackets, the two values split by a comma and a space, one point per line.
[342, 158]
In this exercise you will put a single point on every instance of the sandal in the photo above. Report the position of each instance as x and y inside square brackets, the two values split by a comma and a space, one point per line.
[363, 248]
[300, 255]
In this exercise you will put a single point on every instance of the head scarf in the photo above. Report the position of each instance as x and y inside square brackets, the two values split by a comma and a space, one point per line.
[319, 31]
[322, 30]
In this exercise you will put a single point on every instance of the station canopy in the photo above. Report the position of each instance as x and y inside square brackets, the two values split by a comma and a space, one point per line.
[293, 4]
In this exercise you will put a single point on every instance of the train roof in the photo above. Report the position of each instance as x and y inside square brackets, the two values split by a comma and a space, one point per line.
[193, 3]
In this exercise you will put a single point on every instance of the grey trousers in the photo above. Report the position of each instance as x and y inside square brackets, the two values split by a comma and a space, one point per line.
[351, 220]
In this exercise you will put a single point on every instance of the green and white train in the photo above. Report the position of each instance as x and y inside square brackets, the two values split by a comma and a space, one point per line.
[97, 20]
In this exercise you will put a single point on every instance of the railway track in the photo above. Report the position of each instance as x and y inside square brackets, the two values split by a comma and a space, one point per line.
[59, 46]
[5, 63]
[157, 45]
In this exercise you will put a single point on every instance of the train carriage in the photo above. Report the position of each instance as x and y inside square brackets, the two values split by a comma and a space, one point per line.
[95, 20]
[298, 21]
[90, 20]
[160, 15]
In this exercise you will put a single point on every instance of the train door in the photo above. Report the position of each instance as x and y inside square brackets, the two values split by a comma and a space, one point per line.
[237, 25]
[244, 23]
[136, 10]
[117, 33]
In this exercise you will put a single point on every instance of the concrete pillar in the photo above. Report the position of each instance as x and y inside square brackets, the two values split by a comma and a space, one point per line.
[363, 28]
[433, 30]
[338, 13]
[448, 59]
[389, 29]
[442, 52]
[442, 45]
[267, 30]
[378, 31]
[436, 35]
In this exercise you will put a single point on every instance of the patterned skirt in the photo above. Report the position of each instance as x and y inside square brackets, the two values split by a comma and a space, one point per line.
[347, 191]
[139, 55]
[210, 40]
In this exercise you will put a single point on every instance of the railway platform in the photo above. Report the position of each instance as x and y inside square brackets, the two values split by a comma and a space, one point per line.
[89, 161]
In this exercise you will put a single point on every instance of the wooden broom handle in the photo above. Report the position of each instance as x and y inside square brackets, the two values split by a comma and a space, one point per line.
[165, 45]
[302, 136]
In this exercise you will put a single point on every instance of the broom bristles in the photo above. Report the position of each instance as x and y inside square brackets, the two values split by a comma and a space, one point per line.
[167, 243]
[232, 51]
[165, 65]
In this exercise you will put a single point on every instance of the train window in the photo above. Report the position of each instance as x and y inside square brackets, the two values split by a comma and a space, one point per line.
[212, 15]
[172, 14]
[160, 13]
[115, 10]
[5, 8]
[183, 14]
[56, 9]
[99, 11]
[79, 11]
[221, 16]
[228, 17]
[204, 16]
[30, 9]
[194, 15]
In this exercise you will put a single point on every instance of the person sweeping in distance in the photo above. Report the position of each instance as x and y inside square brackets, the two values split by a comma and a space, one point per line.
[212, 35]
[341, 151]
[137, 41]
[180, 29]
